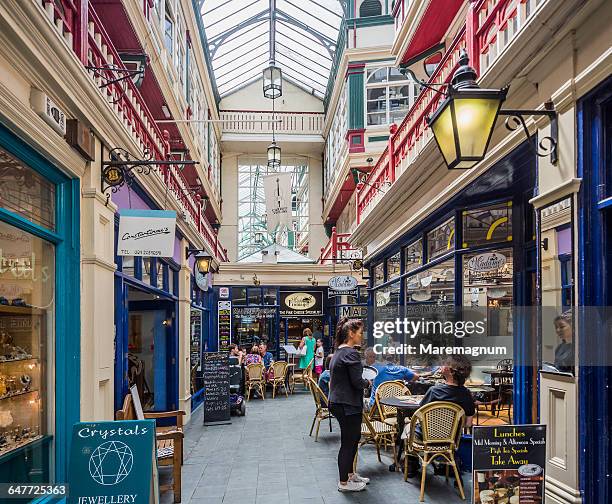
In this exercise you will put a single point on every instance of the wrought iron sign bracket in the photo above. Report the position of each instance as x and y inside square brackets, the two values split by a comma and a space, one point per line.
[101, 72]
[547, 146]
[122, 168]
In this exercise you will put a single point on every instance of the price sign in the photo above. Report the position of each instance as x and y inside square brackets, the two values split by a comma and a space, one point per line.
[216, 388]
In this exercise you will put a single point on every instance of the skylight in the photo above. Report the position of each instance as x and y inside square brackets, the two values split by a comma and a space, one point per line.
[303, 34]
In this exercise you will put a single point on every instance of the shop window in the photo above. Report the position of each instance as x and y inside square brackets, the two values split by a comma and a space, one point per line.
[127, 265]
[413, 256]
[254, 296]
[363, 295]
[146, 270]
[379, 274]
[393, 266]
[239, 296]
[435, 285]
[487, 225]
[27, 319]
[25, 192]
[441, 240]
[269, 294]
[488, 289]
[557, 287]
[370, 8]
[172, 281]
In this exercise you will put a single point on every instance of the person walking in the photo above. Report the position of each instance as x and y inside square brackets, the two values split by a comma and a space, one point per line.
[346, 400]
[308, 341]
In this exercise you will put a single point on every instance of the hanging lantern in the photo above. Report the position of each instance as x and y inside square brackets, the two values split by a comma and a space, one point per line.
[463, 123]
[272, 81]
[274, 156]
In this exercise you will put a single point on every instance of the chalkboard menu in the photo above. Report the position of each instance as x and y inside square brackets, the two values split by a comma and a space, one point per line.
[216, 388]
[508, 463]
[224, 324]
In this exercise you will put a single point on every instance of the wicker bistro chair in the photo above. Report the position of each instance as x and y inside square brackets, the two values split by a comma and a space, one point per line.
[441, 425]
[301, 376]
[322, 404]
[388, 414]
[255, 380]
[377, 432]
[279, 377]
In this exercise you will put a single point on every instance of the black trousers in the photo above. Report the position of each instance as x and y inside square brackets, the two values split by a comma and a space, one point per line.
[350, 434]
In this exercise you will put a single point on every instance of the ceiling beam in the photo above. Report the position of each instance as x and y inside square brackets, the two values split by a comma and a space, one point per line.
[272, 30]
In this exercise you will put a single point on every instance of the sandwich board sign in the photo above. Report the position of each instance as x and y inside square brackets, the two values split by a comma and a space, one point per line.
[113, 463]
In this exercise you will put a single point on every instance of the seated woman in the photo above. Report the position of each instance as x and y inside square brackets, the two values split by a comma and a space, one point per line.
[456, 370]
[324, 378]
[253, 357]
[236, 352]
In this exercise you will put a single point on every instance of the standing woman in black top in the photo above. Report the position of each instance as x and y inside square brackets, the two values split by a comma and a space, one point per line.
[346, 400]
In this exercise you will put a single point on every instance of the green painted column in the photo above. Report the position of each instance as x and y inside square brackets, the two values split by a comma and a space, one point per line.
[355, 85]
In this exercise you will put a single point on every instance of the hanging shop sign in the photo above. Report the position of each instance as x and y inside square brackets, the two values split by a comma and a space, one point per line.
[113, 462]
[487, 262]
[353, 311]
[342, 285]
[224, 325]
[301, 304]
[224, 292]
[508, 463]
[277, 191]
[146, 233]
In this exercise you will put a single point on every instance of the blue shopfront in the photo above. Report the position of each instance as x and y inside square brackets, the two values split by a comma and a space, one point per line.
[39, 314]
[146, 320]
[443, 265]
[200, 330]
[594, 120]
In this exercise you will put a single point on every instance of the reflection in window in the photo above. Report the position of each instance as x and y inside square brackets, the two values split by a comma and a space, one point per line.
[127, 265]
[379, 274]
[370, 8]
[239, 295]
[487, 225]
[255, 296]
[557, 286]
[488, 285]
[269, 296]
[393, 266]
[435, 285]
[413, 256]
[25, 192]
[441, 240]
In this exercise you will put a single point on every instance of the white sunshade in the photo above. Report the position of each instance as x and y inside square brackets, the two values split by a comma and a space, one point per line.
[305, 35]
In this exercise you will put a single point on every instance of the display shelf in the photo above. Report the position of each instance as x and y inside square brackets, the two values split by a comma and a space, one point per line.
[20, 310]
[20, 444]
[11, 361]
[7, 455]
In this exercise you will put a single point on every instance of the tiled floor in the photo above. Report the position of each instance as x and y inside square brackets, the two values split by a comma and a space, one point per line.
[268, 457]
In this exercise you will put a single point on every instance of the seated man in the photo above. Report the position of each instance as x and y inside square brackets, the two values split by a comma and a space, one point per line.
[370, 359]
[265, 355]
[324, 378]
[389, 372]
[456, 370]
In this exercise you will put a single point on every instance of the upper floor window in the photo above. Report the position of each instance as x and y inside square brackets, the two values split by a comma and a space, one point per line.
[370, 8]
[389, 95]
[169, 32]
[441, 240]
[487, 225]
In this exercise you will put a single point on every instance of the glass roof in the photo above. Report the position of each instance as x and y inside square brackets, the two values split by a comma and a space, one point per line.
[244, 35]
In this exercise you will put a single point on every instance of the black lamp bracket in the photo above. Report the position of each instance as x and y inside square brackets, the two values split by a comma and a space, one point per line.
[103, 71]
[547, 146]
[191, 251]
[122, 168]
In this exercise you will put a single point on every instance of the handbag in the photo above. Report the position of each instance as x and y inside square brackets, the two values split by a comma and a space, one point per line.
[301, 351]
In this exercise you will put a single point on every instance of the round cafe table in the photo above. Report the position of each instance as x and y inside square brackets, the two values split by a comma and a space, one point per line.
[405, 407]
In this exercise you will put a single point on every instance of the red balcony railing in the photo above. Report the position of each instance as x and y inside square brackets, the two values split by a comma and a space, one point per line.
[338, 248]
[127, 102]
[489, 28]
[406, 141]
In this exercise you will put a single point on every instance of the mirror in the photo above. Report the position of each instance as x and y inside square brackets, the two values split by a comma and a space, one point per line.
[557, 253]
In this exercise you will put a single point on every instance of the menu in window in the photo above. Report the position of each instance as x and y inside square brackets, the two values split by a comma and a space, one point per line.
[224, 324]
[508, 463]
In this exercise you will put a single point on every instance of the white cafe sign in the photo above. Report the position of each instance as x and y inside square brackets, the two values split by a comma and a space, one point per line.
[148, 233]
[342, 283]
[489, 261]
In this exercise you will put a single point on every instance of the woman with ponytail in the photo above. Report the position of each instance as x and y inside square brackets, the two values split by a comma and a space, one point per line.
[346, 400]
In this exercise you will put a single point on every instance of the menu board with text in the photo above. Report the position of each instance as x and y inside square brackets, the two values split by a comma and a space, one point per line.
[216, 388]
[224, 324]
[508, 464]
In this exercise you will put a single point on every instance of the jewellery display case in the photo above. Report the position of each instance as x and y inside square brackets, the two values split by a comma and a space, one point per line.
[22, 357]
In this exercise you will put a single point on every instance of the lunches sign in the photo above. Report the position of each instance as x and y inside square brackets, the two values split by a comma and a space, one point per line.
[301, 304]
[508, 464]
[148, 233]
